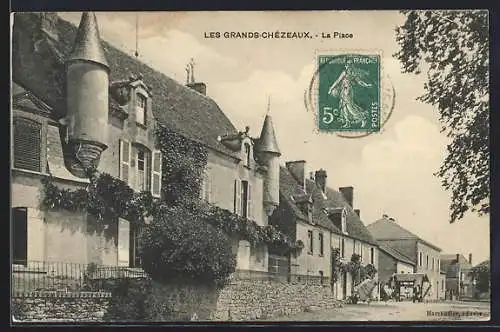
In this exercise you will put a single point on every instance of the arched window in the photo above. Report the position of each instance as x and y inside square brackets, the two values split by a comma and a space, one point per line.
[27, 144]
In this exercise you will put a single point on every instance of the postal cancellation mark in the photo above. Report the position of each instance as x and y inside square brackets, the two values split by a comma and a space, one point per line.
[349, 93]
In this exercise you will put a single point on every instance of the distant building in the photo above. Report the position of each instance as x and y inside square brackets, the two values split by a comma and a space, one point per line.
[458, 278]
[423, 254]
[324, 220]
[392, 261]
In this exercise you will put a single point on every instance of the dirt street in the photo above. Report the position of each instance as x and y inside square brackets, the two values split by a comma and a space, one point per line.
[400, 311]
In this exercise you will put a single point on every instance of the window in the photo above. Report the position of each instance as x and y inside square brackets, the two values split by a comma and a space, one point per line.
[372, 256]
[442, 286]
[344, 221]
[310, 241]
[342, 248]
[142, 174]
[426, 261]
[320, 277]
[27, 144]
[361, 252]
[439, 265]
[140, 109]
[247, 154]
[156, 174]
[321, 249]
[244, 198]
[420, 258]
[20, 235]
[433, 267]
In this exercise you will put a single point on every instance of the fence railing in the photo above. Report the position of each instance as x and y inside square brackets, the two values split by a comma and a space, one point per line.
[42, 276]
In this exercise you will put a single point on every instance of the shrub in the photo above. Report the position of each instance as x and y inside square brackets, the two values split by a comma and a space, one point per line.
[179, 246]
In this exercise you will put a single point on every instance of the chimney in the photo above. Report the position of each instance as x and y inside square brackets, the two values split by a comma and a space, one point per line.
[348, 193]
[357, 211]
[298, 170]
[48, 23]
[320, 179]
[458, 258]
[470, 259]
[199, 87]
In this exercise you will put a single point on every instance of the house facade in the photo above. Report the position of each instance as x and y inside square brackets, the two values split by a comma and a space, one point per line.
[323, 219]
[392, 261]
[424, 255]
[458, 278]
[78, 101]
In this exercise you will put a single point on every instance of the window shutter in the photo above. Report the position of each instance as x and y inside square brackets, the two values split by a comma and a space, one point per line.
[123, 242]
[249, 202]
[237, 196]
[124, 160]
[27, 144]
[156, 174]
[208, 187]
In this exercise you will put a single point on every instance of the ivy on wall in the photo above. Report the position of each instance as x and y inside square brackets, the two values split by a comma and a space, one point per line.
[183, 163]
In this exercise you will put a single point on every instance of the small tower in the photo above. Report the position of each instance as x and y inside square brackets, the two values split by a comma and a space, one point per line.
[87, 76]
[268, 153]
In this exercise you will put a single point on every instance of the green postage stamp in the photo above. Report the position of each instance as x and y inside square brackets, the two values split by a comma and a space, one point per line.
[349, 93]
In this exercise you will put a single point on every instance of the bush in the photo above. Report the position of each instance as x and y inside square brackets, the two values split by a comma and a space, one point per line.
[179, 246]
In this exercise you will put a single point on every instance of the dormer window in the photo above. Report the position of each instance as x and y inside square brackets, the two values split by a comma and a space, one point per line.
[344, 221]
[247, 156]
[140, 109]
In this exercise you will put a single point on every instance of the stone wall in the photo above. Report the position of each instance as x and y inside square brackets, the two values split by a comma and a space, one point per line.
[145, 301]
[63, 309]
[262, 299]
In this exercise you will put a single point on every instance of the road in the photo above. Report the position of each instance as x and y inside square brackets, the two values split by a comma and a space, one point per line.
[400, 311]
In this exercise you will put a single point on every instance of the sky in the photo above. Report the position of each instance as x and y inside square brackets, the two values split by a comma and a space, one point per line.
[391, 171]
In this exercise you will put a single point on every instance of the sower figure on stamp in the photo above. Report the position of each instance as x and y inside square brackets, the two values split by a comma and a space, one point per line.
[343, 89]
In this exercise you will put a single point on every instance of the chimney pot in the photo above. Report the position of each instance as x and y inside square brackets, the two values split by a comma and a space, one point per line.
[470, 259]
[458, 258]
[348, 193]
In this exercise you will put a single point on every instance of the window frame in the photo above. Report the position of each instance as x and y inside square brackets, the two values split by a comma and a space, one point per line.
[141, 99]
[157, 173]
[145, 170]
[321, 239]
[310, 242]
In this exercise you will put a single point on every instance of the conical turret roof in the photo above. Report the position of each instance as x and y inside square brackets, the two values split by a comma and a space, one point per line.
[87, 45]
[267, 141]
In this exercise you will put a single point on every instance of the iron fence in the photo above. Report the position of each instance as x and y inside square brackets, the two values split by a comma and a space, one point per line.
[42, 276]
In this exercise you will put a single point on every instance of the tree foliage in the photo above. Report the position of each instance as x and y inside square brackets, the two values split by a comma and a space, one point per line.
[452, 47]
[482, 275]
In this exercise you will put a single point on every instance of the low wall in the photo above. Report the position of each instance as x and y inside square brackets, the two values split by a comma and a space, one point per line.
[62, 309]
[143, 300]
[263, 299]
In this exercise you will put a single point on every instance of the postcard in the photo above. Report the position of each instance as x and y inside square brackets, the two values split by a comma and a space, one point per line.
[250, 166]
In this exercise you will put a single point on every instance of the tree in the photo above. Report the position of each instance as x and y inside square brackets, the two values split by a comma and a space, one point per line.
[452, 47]
[481, 274]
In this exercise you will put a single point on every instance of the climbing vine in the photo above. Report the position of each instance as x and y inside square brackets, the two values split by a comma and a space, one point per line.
[183, 162]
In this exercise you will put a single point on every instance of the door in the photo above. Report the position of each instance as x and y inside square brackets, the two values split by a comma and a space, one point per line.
[20, 235]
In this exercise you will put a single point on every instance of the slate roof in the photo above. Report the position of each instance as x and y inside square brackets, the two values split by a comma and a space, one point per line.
[385, 229]
[395, 254]
[334, 199]
[40, 67]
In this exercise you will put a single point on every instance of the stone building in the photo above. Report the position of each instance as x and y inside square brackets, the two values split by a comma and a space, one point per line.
[392, 261]
[424, 255]
[458, 278]
[323, 219]
[79, 101]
